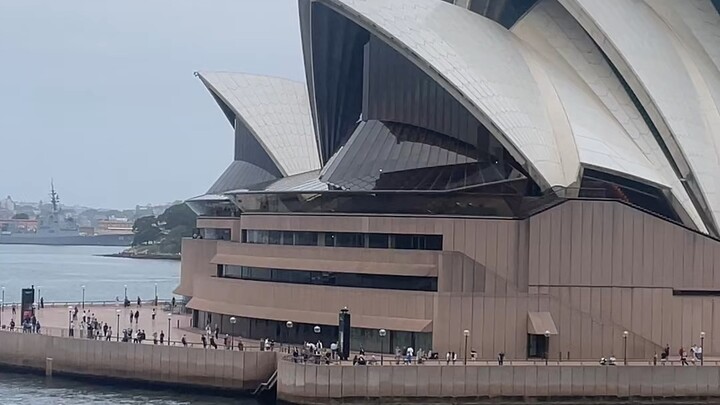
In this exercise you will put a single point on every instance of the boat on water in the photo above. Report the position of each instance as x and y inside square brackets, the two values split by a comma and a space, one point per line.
[56, 228]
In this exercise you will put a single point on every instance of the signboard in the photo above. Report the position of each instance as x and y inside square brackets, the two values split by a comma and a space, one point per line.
[26, 304]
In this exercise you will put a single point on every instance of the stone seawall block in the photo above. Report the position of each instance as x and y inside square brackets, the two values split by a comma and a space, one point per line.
[151, 363]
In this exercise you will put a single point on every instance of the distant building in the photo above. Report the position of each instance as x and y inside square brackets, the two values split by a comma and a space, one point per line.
[114, 226]
[7, 204]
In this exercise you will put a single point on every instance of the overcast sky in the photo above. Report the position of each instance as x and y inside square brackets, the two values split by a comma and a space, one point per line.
[100, 94]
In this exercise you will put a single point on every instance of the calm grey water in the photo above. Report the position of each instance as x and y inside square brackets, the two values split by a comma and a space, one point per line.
[32, 389]
[60, 271]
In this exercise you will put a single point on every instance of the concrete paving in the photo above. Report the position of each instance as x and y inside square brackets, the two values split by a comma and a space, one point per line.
[58, 318]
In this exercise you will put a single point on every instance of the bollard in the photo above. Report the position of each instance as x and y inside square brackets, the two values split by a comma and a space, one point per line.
[48, 366]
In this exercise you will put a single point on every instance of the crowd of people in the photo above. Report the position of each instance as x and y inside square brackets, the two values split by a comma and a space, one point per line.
[695, 355]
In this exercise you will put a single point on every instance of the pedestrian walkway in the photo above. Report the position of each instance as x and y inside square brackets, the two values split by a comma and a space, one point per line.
[59, 319]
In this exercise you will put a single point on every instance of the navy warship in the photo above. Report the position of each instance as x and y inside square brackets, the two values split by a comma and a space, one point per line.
[56, 228]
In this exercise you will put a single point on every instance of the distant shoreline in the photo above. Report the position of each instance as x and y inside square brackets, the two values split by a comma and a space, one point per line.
[127, 255]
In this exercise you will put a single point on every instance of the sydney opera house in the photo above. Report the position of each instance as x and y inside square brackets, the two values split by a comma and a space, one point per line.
[534, 176]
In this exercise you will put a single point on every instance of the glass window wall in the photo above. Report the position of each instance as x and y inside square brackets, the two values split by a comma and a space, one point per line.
[378, 281]
[344, 239]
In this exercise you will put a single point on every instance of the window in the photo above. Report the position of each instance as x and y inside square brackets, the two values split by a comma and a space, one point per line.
[378, 240]
[378, 281]
[214, 233]
[306, 238]
[288, 238]
[419, 242]
[274, 237]
[344, 239]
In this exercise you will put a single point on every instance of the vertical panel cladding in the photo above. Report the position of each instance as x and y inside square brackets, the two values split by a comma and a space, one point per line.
[337, 59]
[400, 92]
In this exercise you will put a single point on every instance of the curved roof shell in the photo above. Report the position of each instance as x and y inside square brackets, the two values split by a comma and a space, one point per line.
[479, 63]
[275, 111]
[553, 119]
[671, 80]
[554, 33]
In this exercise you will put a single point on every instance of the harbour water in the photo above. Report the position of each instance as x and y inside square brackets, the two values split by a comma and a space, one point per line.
[37, 390]
[59, 272]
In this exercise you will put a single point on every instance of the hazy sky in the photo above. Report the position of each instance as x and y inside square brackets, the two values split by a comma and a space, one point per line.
[100, 94]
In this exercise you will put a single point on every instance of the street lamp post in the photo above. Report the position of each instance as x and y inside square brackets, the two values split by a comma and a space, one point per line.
[466, 333]
[156, 296]
[702, 348]
[125, 291]
[83, 296]
[547, 345]
[625, 336]
[232, 331]
[117, 327]
[289, 326]
[382, 334]
[169, 318]
[316, 329]
[70, 311]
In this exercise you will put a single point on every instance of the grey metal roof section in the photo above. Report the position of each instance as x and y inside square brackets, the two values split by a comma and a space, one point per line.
[240, 174]
[479, 63]
[209, 197]
[300, 182]
[276, 111]
[377, 150]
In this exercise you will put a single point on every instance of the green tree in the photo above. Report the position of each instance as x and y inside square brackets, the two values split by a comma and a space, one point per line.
[146, 230]
[178, 215]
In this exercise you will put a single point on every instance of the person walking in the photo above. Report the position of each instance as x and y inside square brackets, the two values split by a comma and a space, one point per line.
[162, 337]
[183, 340]
[203, 339]
[683, 357]
[137, 316]
[153, 314]
[139, 302]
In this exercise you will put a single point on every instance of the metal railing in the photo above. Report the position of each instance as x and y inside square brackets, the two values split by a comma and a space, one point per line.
[82, 334]
[166, 304]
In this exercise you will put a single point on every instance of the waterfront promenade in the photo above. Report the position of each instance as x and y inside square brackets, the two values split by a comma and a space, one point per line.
[57, 318]
[160, 364]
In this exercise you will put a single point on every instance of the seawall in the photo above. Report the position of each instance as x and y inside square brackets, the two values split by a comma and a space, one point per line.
[229, 370]
[320, 384]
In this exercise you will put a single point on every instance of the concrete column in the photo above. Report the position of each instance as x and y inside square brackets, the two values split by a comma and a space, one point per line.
[48, 366]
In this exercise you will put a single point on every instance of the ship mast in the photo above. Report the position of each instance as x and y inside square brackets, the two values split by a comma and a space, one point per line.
[54, 197]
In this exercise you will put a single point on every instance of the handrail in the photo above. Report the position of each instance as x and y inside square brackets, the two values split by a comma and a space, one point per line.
[94, 302]
[81, 334]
